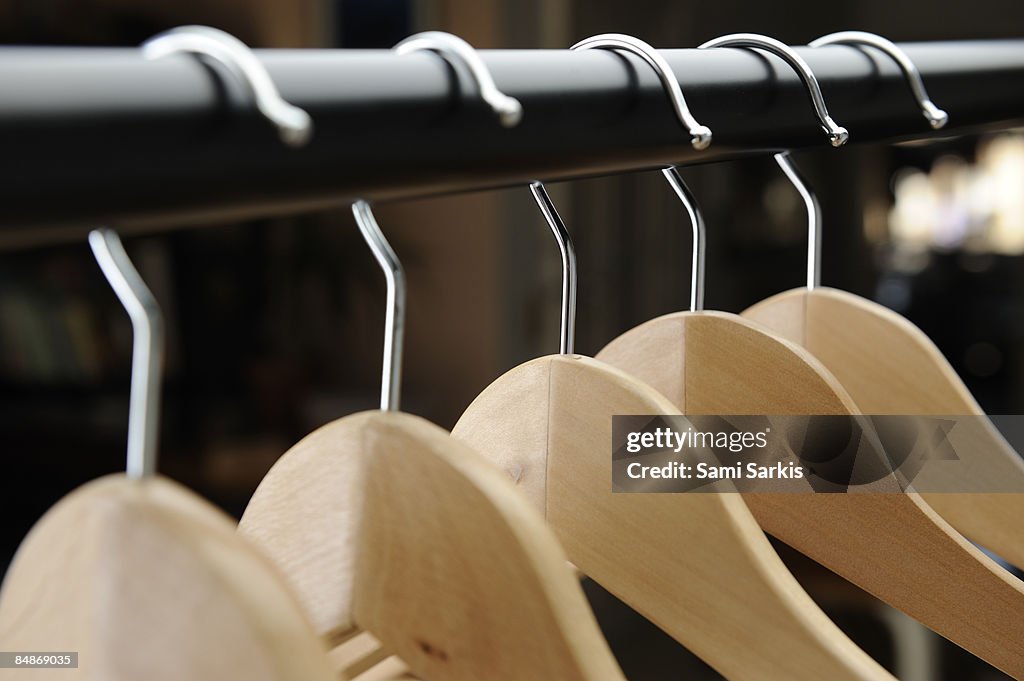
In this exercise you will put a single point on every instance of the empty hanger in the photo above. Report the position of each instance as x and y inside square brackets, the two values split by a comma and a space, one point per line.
[696, 565]
[384, 523]
[893, 545]
[141, 577]
[890, 367]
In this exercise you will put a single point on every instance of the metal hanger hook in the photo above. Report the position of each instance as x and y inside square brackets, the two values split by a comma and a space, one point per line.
[147, 350]
[453, 48]
[294, 125]
[567, 329]
[837, 134]
[509, 112]
[394, 320]
[700, 135]
[697, 268]
[937, 118]
[813, 217]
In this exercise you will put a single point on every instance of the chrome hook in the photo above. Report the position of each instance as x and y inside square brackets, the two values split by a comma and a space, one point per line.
[813, 218]
[937, 118]
[567, 329]
[700, 139]
[699, 241]
[394, 320]
[294, 125]
[837, 134]
[453, 48]
[509, 111]
[700, 135]
[147, 350]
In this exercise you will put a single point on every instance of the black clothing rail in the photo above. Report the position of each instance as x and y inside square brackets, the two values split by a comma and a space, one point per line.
[104, 136]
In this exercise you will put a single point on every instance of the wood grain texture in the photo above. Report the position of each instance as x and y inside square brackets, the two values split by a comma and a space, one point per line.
[147, 581]
[383, 522]
[889, 366]
[892, 545]
[696, 565]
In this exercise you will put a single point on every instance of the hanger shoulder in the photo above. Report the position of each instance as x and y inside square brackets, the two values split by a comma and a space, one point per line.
[886, 363]
[891, 545]
[446, 565]
[889, 366]
[992, 519]
[696, 565]
[146, 580]
[306, 515]
[899, 549]
[526, 425]
[522, 587]
[676, 355]
[784, 313]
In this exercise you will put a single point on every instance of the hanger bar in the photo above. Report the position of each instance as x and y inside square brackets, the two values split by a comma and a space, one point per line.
[104, 135]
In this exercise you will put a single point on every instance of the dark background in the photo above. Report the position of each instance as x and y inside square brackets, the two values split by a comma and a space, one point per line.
[274, 326]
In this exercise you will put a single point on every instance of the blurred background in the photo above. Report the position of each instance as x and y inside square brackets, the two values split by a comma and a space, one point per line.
[275, 326]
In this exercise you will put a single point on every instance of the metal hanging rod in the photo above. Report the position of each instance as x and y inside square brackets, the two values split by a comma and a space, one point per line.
[105, 135]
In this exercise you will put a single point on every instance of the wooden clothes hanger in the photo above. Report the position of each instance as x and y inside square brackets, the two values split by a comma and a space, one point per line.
[889, 366]
[139, 576]
[384, 523]
[893, 545]
[696, 565]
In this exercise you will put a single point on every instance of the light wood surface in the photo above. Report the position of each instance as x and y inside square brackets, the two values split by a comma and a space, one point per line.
[384, 523]
[889, 366]
[145, 580]
[364, 658]
[697, 565]
[892, 545]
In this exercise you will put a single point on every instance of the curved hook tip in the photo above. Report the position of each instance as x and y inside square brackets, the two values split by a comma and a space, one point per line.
[700, 137]
[295, 127]
[510, 111]
[936, 116]
[838, 135]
